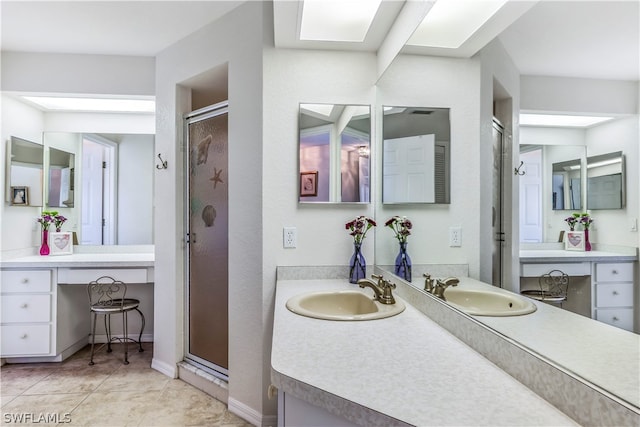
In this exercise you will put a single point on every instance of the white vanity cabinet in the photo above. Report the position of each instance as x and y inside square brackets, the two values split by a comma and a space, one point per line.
[45, 306]
[613, 294]
[28, 312]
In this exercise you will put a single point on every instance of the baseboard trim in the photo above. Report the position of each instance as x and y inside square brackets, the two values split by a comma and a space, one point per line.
[164, 368]
[251, 415]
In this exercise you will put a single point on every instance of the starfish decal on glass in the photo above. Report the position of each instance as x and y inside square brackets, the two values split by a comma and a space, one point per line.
[216, 177]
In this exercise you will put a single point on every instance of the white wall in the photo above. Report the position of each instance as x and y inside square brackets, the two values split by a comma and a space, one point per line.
[20, 232]
[136, 164]
[236, 39]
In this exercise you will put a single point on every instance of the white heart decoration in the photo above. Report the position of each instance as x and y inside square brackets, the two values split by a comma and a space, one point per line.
[575, 239]
[61, 242]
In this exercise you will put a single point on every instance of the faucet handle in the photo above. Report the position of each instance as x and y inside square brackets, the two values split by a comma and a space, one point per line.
[428, 282]
[387, 284]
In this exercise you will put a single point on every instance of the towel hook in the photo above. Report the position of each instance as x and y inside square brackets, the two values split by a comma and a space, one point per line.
[163, 163]
[517, 171]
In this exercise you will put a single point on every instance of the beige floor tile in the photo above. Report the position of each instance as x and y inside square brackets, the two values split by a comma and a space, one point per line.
[82, 380]
[128, 378]
[115, 408]
[15, 379]
[33, 408]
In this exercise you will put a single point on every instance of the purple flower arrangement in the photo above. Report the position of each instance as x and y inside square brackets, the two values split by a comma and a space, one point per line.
[359, 228]
[401, 227]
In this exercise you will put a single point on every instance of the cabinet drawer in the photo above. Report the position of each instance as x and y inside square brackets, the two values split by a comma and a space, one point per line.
[614, 295]
[572, 269]
[86, 275]
[26, 281]
[620, 317]
[25, 340]
[26, 308]
[614, 272]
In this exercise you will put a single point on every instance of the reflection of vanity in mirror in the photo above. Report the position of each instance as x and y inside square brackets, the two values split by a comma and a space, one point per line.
[416, 158]
[103, 184]
[24, 167]
[334, 153]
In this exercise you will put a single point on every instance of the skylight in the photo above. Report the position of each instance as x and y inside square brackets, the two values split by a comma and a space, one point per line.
[337, 20]
[559, 120]
[113, 105]
[450, 23]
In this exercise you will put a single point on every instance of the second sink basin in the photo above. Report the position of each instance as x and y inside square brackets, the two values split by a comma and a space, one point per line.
[342, 305]
[480, 302]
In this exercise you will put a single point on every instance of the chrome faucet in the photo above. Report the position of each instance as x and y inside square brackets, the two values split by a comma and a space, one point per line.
[441, 285]
[382, 289]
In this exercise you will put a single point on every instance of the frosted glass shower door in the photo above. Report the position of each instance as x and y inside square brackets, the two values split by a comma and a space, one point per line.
[207, 237]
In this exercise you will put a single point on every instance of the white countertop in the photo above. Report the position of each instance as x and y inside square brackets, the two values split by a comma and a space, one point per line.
[404, 369]
[560, 255]
[576, 343]
[88, 260]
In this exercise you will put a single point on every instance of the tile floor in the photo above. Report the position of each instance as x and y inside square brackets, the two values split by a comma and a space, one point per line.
[109, 393]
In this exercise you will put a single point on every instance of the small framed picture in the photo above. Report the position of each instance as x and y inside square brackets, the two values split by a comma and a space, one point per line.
[574, 241]
[308, 184]
[19, 196]
[61, 243]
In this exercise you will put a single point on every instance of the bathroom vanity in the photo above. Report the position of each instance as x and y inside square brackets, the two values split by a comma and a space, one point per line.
[45, 315]
[611, 276]
[402, 370]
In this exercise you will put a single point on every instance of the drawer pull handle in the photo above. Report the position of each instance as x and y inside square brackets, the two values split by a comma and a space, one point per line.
[24, 305]
[615, 292]
[23, 337]
[25, 280]
[615, 319]
[614, 271]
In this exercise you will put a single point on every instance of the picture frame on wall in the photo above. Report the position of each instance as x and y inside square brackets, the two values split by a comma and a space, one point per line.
[20, 196]
[309, 184]
[574, 241]
[61, 243]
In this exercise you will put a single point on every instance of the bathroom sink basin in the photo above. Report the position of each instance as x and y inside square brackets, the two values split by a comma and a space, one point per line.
[342, 305]
[488, 303]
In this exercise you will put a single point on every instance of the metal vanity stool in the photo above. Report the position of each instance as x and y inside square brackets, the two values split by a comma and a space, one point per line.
[107, 296]
[553, 288]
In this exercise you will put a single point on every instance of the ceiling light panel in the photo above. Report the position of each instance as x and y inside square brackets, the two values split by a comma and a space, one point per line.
[115, 105]
[337, 20]
[450, 23]
[558, 120]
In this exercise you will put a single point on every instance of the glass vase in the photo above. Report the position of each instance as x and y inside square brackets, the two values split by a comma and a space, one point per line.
[357, 265]
[587, 243]
[44, 248]
[403, 263]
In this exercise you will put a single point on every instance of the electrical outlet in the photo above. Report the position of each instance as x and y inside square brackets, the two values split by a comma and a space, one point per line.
[289, 237]
[455, 237]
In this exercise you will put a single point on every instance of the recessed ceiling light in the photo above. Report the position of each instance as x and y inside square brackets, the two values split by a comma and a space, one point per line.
[559, 120]
[450, 23]
[113, 105]
[337, 20]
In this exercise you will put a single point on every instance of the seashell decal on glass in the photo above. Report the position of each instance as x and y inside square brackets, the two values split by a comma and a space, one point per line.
[209, 215]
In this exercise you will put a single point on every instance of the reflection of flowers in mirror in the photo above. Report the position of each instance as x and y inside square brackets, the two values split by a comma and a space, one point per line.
[400, 226]
[579, 218]
[51, 217]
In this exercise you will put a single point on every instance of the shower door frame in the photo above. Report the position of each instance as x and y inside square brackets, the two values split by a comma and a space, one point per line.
[205, 113]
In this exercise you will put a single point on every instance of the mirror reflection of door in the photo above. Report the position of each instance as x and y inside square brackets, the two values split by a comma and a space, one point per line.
[531, 196]
[97, 213]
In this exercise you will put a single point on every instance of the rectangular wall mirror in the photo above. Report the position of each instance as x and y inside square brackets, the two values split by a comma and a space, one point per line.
[61, 177]
[334, 153]
[566, 183]
[24, 168]
[416, 155]
[606, 181]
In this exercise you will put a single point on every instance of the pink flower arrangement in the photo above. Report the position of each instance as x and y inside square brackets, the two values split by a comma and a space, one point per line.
[359, 228]
[51, 217]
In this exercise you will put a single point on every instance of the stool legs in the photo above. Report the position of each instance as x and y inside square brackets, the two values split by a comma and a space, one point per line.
[126, 339]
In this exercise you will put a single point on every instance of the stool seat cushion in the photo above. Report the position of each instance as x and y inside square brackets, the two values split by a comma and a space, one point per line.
[116, 305]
